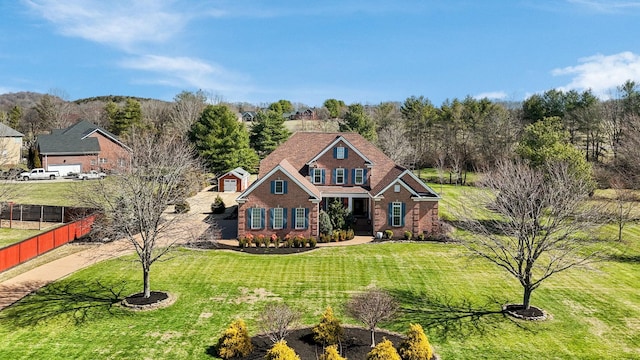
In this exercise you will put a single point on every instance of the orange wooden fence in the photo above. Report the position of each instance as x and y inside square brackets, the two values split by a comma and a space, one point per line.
[18, 253]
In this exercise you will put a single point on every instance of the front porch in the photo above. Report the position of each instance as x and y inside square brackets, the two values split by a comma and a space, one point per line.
[355, 199]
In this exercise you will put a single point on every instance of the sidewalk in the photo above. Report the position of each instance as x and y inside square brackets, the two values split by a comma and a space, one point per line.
[21, 285]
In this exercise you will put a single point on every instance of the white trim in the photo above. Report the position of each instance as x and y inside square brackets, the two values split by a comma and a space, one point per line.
[243, 197]
[275, 187]
[413, 192]
[281, 218]
[303, 217]
[344, 177]
[394, 205]
[400, 182]
[355, 176]
[333, 143]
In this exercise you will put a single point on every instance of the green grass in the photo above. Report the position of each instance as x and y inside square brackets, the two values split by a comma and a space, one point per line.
[12, 236]
[594, 311]
[59, 193]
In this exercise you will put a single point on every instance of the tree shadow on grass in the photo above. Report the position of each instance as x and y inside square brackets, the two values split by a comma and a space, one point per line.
[453, 319]
[73, 300]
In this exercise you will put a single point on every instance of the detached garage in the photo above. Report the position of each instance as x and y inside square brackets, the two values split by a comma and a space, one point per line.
[235, 180]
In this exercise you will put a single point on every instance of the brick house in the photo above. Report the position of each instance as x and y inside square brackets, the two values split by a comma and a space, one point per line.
[310, 170]
[82, 147]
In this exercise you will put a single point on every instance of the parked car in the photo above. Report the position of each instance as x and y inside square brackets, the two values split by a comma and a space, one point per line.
[39, 174]
[91, 175]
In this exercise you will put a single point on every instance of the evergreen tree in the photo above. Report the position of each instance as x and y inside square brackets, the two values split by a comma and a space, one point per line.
[123, 119]
[222, 141]
[268, 132]
[14, 117]
[235, 341]
[281, 351]
[328, 331]
[416, 346]
[383, 351]
[357, 120]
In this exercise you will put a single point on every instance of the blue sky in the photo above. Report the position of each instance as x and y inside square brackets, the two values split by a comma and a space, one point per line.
[364, 51]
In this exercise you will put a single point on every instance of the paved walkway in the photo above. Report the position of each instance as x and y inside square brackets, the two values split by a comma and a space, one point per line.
[21, 285]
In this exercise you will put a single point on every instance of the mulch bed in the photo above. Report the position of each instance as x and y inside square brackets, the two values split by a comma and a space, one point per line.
[356, 346]
[517, 311]
[208, 245]
[156, 300]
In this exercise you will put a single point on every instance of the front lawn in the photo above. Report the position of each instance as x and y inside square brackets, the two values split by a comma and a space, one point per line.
[58, 193]
[12, 236]
[457, 300]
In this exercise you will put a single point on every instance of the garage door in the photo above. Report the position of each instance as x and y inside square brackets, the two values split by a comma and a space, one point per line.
[66, 169]
[230, 185]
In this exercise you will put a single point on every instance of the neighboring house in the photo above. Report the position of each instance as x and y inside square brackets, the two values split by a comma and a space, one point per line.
[10, 146]
[310, 170]
[249, 116]
[308, 114]
[235, 180]
[83, 147]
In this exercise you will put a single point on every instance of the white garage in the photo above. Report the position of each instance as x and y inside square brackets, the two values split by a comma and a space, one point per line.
[65, 169]
[230, 185]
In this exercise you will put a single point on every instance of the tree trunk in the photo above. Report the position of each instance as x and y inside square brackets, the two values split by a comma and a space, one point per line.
[373, 338]
[147, 286]
[526, 299]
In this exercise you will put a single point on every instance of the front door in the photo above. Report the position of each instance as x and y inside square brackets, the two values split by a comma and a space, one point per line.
[360, 207]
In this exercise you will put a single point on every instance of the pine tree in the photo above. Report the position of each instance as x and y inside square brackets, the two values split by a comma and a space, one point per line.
[268, 132]
[416, 346]
[331, 353]
[356, 120]
[328, 331]
[235, 341]
[383, 351]
[222, 141]
[281, 351]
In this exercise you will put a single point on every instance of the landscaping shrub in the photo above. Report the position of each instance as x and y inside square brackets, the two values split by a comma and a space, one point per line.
[218, 206]
[325, 223]
[249, 239]
[408, 235]
[416, 346]
[242, 242]
[281, 351]
[383, 351]
[325, 238]
[331, 353]
[313, 242]
[235, 341]
[182, 207]
[388, 234]
[258, 240]
[328, 331]
[350, 234]
[289, 240]
[421, 237]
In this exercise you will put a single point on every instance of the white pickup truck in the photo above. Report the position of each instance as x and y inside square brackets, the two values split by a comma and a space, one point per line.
[91, 175]
[39, 174]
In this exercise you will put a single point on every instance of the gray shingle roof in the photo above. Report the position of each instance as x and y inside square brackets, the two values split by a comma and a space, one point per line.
[6, 131]
[73, 140]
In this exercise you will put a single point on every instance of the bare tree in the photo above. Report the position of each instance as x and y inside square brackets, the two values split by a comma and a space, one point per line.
[540, 215]
[187, 107]
[134, 205]
[276, 321]
[393, 142]
[372, 307]
[624, 202]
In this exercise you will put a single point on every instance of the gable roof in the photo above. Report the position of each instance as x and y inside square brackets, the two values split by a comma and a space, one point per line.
[302, 148]
[285, 167]
[6, 131]
[238, 172]
[76, 139]
[305, 146]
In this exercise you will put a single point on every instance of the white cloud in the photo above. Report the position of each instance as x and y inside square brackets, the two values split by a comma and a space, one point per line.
[607, 6]
[602, 73]
[183, 72]
[118, 23]
[498, 95]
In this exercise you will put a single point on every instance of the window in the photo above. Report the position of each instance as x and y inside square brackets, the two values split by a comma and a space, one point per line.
[300, 215]
[278, 187]
[256, 218]
[318, 176]
[103, 160]
[93, 162]
[340, 152]
[396, 188]
[340, 176]
[358, 176]
[396, 214]
[277, 215]
[122, 162]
